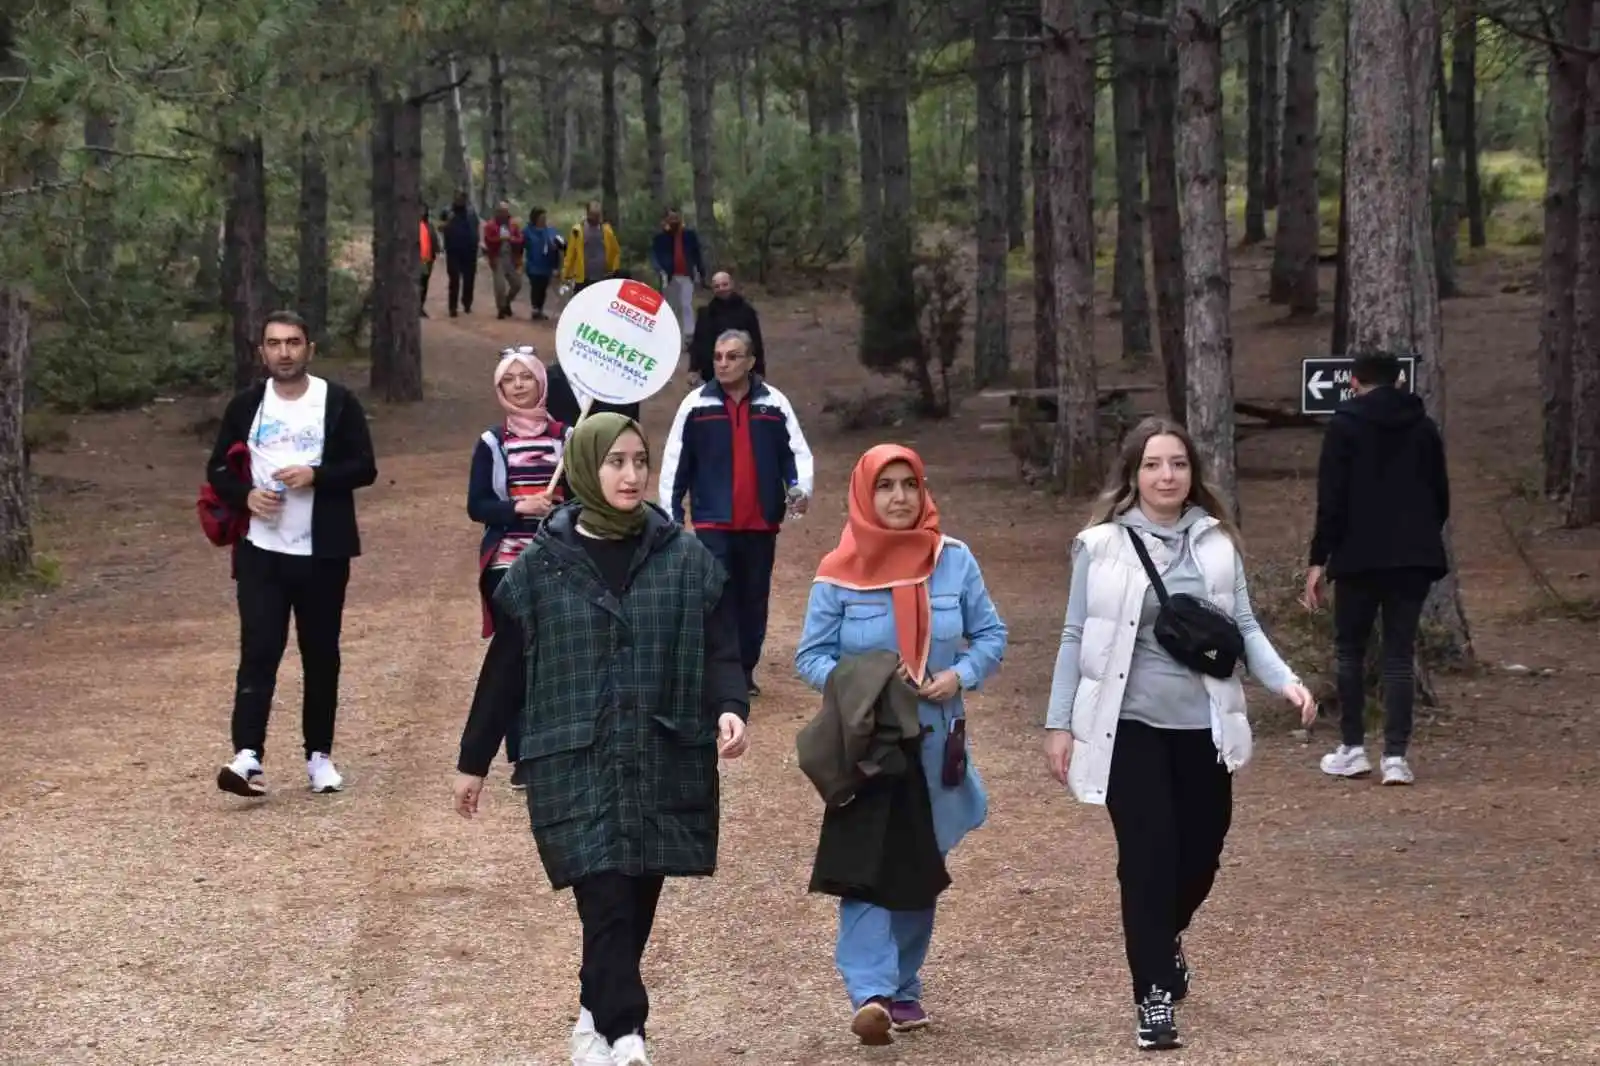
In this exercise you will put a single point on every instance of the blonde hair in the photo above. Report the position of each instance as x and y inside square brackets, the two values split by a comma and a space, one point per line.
[1121, 491]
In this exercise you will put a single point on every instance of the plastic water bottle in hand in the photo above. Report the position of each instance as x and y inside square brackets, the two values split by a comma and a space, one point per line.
[280, 490]
[796, 494]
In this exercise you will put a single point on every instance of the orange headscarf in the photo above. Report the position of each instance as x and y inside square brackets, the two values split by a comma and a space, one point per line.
[870, 555]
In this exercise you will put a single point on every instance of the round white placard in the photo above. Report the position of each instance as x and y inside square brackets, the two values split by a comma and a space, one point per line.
[618, 341]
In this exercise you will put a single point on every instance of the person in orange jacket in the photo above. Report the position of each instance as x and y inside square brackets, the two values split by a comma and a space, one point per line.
[428, 249]
[502, 247]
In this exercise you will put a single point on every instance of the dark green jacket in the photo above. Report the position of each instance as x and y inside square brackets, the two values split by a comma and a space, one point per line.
[619, 726]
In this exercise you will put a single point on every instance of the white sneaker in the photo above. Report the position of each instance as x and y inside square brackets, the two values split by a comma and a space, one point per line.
[1345, 761]
[242, 776]
[588, 1047]
[324, 778]
[1396, 771]
[629, 1051]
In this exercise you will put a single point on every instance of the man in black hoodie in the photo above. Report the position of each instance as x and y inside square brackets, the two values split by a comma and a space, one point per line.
[1383, 497]
[461, 253]
[726, 310]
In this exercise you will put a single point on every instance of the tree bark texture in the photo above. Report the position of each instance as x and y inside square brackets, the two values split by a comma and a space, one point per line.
[1271, 100]
[1583, 495]
[403, 306]
[1068, 68]
[311, 290]
[1565, 112]
[100, 248]
[1016, 131]
[1166, 232]
[16, 529]
[457, 159]
[991, 347]
[610, 198]
[836, 117]
[647, 55]
[1044, 292]
[1466, 70]
[246, 240]
[385, 231]
[1394, 301]
[499, 164]
[1201, 175]
[1255, 204]
[698, 88]
[1130, 279]
[1294, 259]
[1450, 205]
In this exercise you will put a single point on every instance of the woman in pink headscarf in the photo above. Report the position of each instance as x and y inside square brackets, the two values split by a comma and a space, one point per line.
[512, 466]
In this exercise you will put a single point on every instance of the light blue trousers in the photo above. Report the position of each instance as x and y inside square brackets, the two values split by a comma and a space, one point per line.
[880, 952]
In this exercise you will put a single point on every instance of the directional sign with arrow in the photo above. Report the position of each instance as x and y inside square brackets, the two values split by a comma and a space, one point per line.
[1325, 383]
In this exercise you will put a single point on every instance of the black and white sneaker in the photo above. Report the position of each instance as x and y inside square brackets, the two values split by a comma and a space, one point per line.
[1180, 966]
[1158, 1028]
[243, 776]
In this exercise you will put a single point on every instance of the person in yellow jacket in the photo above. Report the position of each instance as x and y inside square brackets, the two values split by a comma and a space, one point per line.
[593, 253]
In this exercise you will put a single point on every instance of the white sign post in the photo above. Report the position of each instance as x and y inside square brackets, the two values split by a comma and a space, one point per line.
[617, 341]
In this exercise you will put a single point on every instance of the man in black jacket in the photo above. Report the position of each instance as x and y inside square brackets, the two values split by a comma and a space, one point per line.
[309, 451]
[1383, 497]
[726, 311]
[461, 253]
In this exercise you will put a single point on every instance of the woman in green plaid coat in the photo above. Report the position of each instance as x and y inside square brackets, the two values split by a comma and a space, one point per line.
[634, 688]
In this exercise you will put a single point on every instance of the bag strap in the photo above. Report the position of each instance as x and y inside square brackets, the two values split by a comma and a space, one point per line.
[1149, 567]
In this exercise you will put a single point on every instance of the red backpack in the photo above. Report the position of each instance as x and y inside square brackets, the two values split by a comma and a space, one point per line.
[222, 525]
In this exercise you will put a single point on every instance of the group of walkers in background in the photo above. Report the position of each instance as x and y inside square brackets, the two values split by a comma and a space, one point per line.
[625, 636]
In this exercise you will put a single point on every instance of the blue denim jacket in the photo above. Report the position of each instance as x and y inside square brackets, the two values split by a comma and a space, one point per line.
[968, 636]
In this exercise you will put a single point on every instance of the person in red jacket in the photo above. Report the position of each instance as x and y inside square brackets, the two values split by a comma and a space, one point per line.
[502, 247]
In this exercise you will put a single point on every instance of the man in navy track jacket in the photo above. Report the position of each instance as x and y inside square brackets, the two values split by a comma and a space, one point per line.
[737, 452]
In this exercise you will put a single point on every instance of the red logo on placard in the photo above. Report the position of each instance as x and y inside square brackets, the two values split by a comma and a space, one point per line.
[641, 296]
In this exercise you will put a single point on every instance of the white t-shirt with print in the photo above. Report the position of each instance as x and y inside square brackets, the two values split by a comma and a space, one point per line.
[287, 433]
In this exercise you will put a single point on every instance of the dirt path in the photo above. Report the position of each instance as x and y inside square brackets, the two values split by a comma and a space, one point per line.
[150, 919]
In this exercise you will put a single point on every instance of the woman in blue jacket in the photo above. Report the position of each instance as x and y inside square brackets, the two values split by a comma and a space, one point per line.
[896, 582]
[512, 466]
[542, 247]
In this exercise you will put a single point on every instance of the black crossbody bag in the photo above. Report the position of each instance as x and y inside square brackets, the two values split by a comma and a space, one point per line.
[1193, 630]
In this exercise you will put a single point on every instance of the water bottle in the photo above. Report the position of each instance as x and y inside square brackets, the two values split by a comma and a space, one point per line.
[795, 495]
[279, 489]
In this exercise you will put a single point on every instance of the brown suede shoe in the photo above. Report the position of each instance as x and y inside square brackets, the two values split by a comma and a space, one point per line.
[872, 1023]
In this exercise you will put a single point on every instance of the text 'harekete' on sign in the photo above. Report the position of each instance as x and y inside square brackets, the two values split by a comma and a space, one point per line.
[615, 342]
[1325, 383]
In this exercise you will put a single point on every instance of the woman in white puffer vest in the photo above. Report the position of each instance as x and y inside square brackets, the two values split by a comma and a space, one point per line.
[1133, 729]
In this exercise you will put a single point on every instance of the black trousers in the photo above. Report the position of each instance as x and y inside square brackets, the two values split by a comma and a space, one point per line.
[271, 587]
[617, 912]
[538, 290]
[1171, 802]
[463, 275]
[427, 276]
[1358, 600]
[502, 681]
[748, 558]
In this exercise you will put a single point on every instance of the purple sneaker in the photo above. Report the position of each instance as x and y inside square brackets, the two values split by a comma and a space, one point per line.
[908, 1015]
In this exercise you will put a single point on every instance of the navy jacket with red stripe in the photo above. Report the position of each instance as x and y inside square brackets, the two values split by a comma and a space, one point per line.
[735, 461]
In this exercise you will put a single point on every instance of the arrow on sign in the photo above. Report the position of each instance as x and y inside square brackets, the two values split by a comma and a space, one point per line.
[1316, 386]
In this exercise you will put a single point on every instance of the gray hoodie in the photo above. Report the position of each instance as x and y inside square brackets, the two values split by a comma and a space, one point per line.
[1161, 692]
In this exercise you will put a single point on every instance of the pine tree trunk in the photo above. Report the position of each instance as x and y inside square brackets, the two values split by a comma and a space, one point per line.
[1130, 279]
[498, 167]
[647, 47]
[1068, 68]
[1340, 340]
[246, 239]
[1449, 204]
[869, 131]
[404, 307]
[1394, 303]
[610, 198]
[1016, 138]
[1271, 100]
[457, 160]
[1044, 292]
[16, 531]
[1203, 179]
[100, 249]
[386, 231]
[1568, 89]
[1294, 260]
[311, 291]
[991, 349]
[1466, 58]
[836, 117]
[1583, 496]
[1255, 206]
[1166, 232]
[698, 88]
